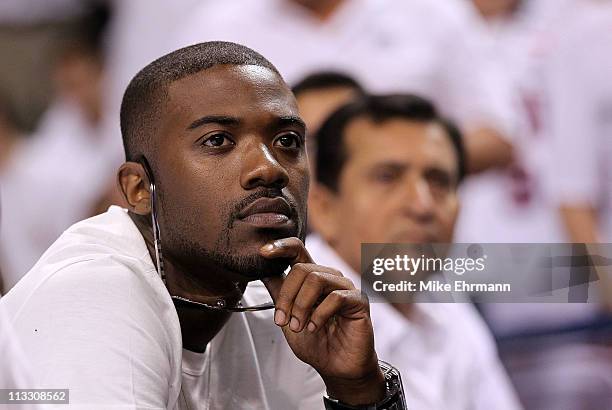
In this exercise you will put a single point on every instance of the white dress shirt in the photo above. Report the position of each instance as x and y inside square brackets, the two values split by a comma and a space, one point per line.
[445, 354]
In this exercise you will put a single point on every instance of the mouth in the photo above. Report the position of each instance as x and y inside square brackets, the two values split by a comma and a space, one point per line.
[267, 213]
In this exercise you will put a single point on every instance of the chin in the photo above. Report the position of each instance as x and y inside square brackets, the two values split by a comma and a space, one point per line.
[254, 267]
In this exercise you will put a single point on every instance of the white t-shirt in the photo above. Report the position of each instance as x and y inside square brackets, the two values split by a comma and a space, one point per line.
[94, 317]
[419, 46]
[445, 354]
[15, 372]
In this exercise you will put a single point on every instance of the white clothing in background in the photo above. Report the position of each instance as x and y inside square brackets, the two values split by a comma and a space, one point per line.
[51, 182]
[580, 82]
[418, 46]
[514, 205]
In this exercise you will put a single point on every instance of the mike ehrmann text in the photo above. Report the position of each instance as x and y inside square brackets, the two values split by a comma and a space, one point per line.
[437, 286]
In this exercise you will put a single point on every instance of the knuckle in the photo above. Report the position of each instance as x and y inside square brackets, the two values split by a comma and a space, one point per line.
[338, 295]
[300, 267]
[315, 279]
[335, 272]
[299, 308]
[347, 283]
[283, 299]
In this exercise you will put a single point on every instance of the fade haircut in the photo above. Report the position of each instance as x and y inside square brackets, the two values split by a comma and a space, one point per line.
[331, 152]
[148, 91]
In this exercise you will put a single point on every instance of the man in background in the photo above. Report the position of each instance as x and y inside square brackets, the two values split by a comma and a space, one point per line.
[388, 169]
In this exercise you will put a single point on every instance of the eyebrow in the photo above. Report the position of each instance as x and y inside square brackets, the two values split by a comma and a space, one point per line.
[290, 120]
[284, 121]
[214, 119]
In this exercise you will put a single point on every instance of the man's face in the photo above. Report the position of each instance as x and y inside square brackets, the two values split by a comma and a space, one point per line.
[231, 170]
[398, 184]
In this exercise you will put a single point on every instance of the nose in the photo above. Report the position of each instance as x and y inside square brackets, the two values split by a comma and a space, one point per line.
[260, 168]
[418, 201]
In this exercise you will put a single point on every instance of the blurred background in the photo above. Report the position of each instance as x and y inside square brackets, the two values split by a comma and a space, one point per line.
[529, 82]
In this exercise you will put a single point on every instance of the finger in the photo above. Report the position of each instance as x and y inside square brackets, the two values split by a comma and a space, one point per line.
[315, 287]
[348, 303]
[284, 291]
[275, 283]
[292, 249]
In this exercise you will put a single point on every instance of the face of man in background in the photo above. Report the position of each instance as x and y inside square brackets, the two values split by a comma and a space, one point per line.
[398, 184]
[231, 169]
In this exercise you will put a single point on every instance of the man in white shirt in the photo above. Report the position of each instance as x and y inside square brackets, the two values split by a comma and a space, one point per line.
[418, 46]
[388, 168]
[217, 177]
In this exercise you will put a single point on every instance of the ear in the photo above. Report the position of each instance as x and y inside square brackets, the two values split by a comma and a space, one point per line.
[322, 212]
[134, 186]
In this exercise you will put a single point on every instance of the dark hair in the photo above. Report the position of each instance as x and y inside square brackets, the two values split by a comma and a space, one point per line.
[326, 79]
[147, 91]
[86, 35]
[331, 152]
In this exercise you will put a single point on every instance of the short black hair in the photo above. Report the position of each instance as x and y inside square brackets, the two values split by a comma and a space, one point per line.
[147, 91]
[324, 80]
[331, 151]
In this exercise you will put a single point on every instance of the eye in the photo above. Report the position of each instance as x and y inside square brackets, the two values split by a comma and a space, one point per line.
[288, 140]
[218, 140]
[386, 175]
[439, 182]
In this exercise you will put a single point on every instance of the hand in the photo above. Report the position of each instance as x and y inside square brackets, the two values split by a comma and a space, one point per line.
[326, 322]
